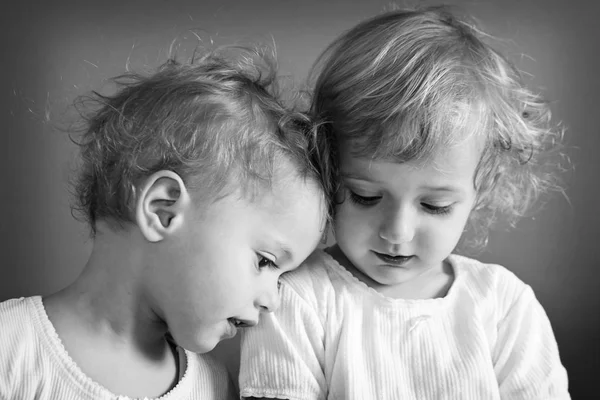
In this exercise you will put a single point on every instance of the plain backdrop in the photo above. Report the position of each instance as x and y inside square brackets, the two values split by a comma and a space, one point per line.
[54, 51]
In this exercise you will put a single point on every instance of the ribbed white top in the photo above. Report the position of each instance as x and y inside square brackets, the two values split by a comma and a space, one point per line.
[35, 365]
[333, 337]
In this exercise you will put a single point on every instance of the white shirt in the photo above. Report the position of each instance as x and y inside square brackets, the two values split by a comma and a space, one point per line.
[334, 337]
[35, 365]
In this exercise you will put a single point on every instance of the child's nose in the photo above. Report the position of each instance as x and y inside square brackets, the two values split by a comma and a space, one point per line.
[398, 227]
[268, 301]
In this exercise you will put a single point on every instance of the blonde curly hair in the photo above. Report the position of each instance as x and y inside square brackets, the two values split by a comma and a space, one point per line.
[407, 83]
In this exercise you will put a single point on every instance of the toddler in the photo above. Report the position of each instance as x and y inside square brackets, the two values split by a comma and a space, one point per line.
[201, 189]
[431, 132]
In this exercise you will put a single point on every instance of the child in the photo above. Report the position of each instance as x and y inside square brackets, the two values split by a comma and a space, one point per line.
[201, 190]
[430, 129]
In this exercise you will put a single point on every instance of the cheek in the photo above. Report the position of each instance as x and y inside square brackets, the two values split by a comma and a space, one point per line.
[214, 300]
[217, 282]
[444, 234]
[351, 221]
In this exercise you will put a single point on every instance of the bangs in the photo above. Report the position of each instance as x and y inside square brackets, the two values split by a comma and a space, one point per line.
[431, 125]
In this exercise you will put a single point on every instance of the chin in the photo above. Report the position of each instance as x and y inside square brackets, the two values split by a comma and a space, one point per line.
[197, 344]
[201, 347]
[205, 348]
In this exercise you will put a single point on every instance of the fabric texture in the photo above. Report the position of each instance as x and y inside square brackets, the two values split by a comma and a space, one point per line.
[35, 365]
[333, 337]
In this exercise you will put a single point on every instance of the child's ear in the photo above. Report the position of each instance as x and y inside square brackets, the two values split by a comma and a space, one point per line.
[161, 204]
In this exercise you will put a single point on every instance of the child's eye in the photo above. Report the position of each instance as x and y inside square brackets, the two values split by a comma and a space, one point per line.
[437, 210]
[364, 200]
[265, 262]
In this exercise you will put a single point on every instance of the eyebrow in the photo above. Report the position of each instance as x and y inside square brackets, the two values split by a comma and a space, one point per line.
[285, 249]
[447, 188]
[450, 189]
[354, 175]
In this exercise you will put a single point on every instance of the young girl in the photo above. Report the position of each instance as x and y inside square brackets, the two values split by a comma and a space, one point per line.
[431, 131]
[201, 189]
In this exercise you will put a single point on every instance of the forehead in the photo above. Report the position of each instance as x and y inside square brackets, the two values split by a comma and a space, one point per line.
[420, 133]
[292, 213]
[286, 215]
[290, 195]
[453, 163]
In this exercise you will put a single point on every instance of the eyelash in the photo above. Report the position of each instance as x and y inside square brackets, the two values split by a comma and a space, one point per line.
[436, 210]
[369, 201]
[363, 200]
[270, 264]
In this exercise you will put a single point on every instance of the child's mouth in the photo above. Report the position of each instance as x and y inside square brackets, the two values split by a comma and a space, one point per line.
[231, 328]
[393, 260]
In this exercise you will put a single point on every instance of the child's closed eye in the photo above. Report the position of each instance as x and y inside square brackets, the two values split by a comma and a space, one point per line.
[363, 200]
[437, 210]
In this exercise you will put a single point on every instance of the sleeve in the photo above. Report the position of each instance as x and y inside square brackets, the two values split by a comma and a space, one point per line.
[283, 356]
[526, 358]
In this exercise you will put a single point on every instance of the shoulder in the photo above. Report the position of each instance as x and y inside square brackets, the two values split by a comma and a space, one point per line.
[20, 358]
[482, 276]
[17, 318]
[314, 270]
[14, 309]
[208, 365]
[211, 376]
[311, 279]
[487, 282]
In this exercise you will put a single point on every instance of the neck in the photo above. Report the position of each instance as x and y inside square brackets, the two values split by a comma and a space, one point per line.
[107, 324]
[107, 298]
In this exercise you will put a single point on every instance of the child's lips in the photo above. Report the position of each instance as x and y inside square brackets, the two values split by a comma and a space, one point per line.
[231, 330]
[398, 260]
[235, 323]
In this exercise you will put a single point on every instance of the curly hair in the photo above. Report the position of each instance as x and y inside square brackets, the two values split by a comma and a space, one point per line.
[213, 120]
[407, 83]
